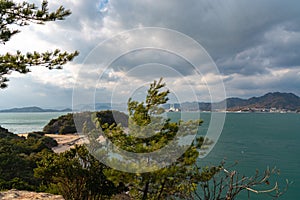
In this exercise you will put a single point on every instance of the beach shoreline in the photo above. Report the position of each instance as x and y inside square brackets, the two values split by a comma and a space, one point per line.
[65, 142]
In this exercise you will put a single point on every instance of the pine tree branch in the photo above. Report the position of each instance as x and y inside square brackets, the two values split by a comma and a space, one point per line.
[22, 14]
[21, 63]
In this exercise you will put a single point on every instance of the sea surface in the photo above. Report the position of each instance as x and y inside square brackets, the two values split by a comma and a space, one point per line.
[255, 140]
[258, 141]
[27, 122]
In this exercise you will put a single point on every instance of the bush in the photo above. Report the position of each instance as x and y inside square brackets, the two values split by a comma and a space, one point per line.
[62, 125]
[18, 157]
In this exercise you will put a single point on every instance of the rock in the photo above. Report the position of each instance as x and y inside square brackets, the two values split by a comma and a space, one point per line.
[26, 195]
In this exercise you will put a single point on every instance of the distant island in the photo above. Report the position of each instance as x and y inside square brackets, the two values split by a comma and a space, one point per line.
[270, 102]
[33, 109]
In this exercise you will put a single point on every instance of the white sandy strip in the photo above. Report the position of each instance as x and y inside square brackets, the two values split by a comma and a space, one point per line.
[67, 141]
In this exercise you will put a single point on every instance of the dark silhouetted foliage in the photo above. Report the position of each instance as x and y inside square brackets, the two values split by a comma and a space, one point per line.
[65, 123]
[18, 157]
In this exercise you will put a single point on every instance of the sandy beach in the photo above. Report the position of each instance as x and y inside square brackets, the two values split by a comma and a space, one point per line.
[65, 142]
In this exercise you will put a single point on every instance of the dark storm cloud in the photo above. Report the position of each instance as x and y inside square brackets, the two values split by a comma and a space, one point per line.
[141, 57]
[243, 37]
[279, 48]
[239, 35]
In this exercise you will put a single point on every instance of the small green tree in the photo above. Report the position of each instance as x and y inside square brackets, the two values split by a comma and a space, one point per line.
[169, 176]
[21, 14]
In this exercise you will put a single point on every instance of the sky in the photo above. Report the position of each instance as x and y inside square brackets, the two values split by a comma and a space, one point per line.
[245, 48]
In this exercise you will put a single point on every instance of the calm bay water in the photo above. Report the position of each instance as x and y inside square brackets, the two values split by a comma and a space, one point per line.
[255, 140]
[27, 122]
[259, 140]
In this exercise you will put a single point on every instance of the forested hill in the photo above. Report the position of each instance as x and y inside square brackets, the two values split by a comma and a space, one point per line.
[288, 101]
[34, 109]
[275, 100]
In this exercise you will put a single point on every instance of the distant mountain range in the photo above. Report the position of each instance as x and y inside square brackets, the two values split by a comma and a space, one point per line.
[34, 109]
[275, 100]
[270, 101]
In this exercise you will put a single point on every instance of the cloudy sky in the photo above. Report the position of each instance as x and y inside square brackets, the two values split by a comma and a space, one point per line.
[253, 47]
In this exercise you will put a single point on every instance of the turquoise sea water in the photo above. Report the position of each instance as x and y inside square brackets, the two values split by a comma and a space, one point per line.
[255, 140]
[259, 140]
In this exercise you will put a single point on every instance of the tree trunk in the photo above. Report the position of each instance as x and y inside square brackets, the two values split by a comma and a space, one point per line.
[145, 191]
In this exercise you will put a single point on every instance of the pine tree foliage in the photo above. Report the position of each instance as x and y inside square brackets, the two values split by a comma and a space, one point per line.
[14, 14]
[148, 131]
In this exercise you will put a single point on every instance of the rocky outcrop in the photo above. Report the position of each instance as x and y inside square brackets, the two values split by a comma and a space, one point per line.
[65, 123]
[26, 195]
